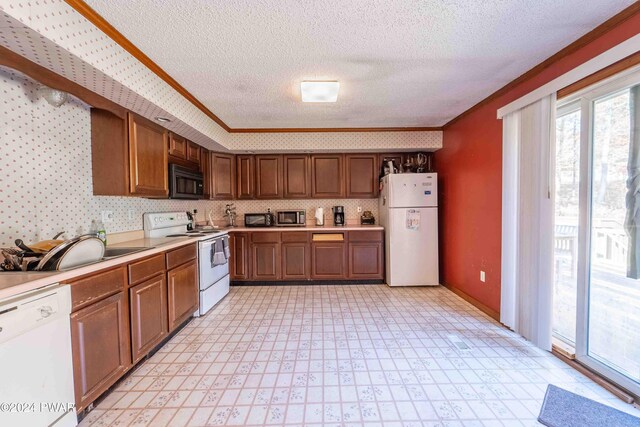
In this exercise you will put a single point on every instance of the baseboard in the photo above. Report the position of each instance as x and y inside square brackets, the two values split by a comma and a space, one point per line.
[596, 378]
[474, 302]
[304, 282]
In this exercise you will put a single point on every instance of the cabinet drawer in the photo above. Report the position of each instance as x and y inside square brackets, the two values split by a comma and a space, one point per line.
[366, 236]
[93, 288]
[295, 237]
[181, 255]
[265, 237]
[142, 270]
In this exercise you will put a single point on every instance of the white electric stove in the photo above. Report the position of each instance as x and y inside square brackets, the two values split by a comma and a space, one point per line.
[213, 281]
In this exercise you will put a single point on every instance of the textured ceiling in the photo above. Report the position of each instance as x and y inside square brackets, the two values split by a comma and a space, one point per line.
[399, 63]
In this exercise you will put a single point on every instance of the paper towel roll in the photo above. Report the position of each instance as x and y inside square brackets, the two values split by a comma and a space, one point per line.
[319, 216]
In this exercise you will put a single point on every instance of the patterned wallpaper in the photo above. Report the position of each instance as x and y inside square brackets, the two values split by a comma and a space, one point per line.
[52, 34]
[45, 185]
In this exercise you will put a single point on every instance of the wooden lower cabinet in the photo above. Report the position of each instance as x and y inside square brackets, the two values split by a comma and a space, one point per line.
[265, 261]
[328, 260]
[100, 342]
[366, 260]
[148, 302]
[239, 262]
[296, 261]
[182, 290]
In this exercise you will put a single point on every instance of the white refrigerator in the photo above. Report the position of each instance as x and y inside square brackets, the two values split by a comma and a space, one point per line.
[408, 210]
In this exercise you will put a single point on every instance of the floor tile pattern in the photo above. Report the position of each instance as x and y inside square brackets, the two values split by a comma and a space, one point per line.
[350, 355]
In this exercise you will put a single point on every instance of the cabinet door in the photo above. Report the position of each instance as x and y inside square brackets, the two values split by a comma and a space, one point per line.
[205, 168]
[328, 260]
[295, 261]
[100, 344]
[239, 262]
[193, 152]
[245, 176]
[327, 176]
[296, 177]
[148, 315]
[362, 175]
[222, 176]
[269, 177]
[366, 260]
[182, 286]
[177, 146]
[148, 158]
[265, 261]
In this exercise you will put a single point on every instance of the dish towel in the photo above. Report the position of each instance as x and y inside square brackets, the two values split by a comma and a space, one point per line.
[225, 245]
[218, 255]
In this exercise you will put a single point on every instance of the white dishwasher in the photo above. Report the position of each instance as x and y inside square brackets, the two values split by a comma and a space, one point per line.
[36, 370]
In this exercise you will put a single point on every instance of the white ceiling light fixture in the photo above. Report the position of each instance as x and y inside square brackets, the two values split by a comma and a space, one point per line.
[319, 91]
[163, 119]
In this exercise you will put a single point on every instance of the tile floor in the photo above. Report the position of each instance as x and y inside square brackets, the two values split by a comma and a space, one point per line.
[341, 356]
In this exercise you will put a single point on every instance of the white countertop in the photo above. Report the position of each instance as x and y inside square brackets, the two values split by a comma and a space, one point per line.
[14, 283]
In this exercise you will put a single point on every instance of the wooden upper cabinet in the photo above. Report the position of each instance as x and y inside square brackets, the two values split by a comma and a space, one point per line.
[177, 146]
[268, 176]
[148, 173]
[245, 176]
[193, 153]
[296, 176]
[362, 175]
[222, 176]
[100, 345]
[205, 168]
[327, 176]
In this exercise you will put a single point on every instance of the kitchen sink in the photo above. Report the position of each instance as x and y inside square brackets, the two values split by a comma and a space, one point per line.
[110, 253]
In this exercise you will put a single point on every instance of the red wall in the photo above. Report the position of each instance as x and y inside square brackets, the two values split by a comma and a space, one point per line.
[470, 173]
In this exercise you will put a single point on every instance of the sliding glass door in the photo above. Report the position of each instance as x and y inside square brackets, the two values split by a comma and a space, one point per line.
[597, 285]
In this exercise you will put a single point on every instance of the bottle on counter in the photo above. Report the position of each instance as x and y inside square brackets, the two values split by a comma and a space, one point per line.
[97, 229]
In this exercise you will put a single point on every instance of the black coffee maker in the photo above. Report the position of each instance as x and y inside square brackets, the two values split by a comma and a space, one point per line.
[338, 215]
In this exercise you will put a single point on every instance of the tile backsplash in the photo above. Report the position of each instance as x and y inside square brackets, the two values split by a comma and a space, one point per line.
[45, 185]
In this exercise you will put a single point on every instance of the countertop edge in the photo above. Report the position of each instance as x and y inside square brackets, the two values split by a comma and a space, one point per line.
[12, 284]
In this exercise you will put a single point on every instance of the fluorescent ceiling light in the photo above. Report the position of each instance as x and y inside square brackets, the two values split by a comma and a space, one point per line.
[319, 91]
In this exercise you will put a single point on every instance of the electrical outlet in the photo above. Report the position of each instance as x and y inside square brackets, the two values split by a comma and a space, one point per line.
[482, 276]
[359, 209]
[131, 214]
[107, 216]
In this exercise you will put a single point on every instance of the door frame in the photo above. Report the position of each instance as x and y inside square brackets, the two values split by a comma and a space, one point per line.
[586, 98]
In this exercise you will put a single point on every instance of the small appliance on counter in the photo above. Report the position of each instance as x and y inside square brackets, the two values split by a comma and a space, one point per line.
[338, 215]
[367, 218]
[258, 220]
[296, 218]
[319, 217]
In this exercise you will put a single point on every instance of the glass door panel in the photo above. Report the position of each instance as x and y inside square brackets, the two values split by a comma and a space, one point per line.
[567, 213]
[613, 293]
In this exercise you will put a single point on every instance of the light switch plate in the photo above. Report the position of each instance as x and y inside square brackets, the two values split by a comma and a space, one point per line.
[482, 276]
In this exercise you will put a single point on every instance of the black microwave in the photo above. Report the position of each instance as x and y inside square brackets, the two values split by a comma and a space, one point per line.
[185, 183]
[258, 219]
